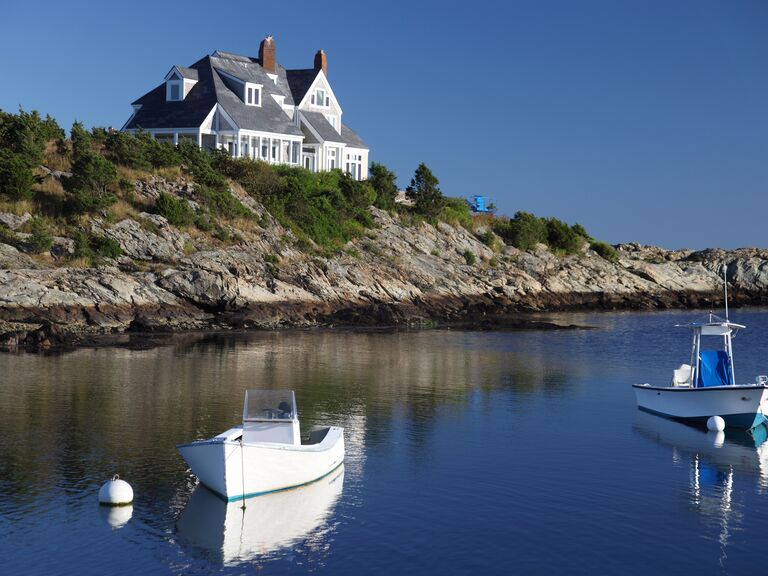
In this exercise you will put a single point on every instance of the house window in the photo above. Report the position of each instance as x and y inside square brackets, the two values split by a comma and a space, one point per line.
[265, 148]
[174, 91]
[253, 95]
[275, 149]
[295, 152]
[320, 98]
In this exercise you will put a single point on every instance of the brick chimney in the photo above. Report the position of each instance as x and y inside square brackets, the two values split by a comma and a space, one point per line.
[321, 62]
[267, 54]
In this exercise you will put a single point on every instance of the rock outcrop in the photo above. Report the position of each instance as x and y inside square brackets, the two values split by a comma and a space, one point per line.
[396, 274]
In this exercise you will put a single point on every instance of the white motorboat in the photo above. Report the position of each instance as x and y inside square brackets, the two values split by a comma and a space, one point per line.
[233, 534]
[266, 453]
[707, 386]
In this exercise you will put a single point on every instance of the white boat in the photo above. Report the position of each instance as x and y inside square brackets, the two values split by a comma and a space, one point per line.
[266, 453]
[707, 386]
[228, 532]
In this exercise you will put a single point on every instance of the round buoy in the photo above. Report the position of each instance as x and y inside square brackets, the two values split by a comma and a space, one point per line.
[715, 424]
[116, 492]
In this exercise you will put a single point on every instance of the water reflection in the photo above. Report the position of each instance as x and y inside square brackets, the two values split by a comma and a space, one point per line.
[230, 533]
[743, 452]
[116, 516]
[714, 462]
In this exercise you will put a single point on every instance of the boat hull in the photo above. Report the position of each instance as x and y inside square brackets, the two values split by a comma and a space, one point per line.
[738, 406]
[236, 470]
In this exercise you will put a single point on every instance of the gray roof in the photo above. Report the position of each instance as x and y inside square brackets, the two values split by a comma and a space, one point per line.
[299, 82]
[351, 138]
[219, 78]
[318, 121]
[156, 112]
[328, 133]
[269, 117]
[188, 73]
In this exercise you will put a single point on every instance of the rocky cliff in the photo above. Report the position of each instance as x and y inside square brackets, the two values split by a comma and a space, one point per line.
[169, 279]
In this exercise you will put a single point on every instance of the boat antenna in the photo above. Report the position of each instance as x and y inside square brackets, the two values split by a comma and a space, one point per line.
[725, 287]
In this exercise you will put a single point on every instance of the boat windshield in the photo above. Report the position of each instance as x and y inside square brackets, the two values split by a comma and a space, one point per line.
[269, 405]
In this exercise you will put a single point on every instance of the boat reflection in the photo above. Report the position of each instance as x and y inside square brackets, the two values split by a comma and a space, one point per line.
[714, 462]
[740, 450]
[230, 534]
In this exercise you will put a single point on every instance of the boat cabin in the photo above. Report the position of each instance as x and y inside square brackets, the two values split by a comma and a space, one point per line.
[270, 416]
[711, 366]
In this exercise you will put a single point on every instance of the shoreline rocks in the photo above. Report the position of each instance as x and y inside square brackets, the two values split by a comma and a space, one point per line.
[394, 276]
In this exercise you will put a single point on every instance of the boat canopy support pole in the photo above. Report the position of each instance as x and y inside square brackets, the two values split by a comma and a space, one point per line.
[697, 356]
[729, 350]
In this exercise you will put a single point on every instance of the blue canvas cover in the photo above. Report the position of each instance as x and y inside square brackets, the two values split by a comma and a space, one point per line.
[714, 369]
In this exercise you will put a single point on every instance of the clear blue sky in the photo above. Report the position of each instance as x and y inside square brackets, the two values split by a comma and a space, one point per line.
[643, 120]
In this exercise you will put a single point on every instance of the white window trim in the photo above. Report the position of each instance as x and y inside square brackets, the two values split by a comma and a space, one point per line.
[256, 89]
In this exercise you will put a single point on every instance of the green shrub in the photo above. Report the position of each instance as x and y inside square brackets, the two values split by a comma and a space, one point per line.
[271, 259]
[93, 246]
[560, 236]
[175, 210]
[23, 138]
[126, 150]
[605, 250]
[106, 246]
[41, 240]
[384, 183]
[222, 234]
[469, 257]
[486, 238]
[456, 211]
[203, 221]
[82, 245]
[8, 236]
[327, 208]
[523, 231]
[221, 202]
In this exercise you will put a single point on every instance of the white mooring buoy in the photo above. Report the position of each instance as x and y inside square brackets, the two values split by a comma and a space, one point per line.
[115, 492]
[715, 424]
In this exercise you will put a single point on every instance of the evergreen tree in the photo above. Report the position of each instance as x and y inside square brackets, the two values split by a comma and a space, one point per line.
[424, 191]
[384, 182]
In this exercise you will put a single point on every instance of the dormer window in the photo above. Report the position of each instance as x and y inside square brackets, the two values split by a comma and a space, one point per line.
[178, 82]
[252, 94]
[173, 88]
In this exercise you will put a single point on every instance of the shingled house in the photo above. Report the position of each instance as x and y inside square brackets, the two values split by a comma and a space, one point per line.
[255, 108]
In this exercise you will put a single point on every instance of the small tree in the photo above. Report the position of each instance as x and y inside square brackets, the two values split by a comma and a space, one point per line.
[384, 182]
[91, 174]
[425, 193]
[16, 177]
[41, 239]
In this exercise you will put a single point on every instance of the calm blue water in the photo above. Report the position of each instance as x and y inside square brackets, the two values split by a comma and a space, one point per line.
[479, 452]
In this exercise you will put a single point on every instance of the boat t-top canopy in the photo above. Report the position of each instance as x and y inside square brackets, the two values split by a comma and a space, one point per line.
[715, 327]
[269, 405]
[712, 328]
[712, 367]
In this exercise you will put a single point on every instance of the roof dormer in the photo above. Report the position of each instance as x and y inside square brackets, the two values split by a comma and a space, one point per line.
[178, 82]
